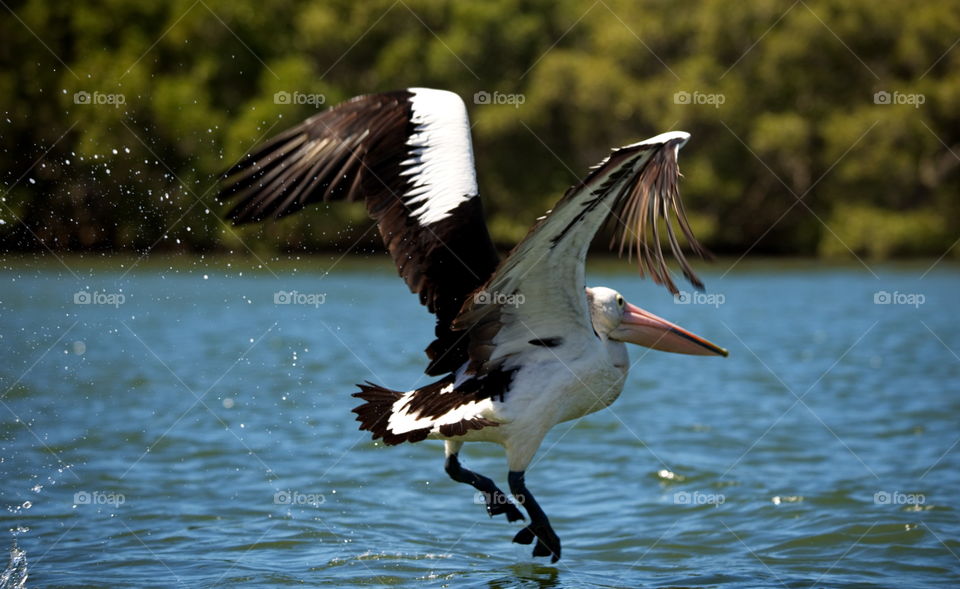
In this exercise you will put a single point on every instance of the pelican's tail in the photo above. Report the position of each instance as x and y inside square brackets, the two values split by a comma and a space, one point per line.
[434, 410]
[374, 415]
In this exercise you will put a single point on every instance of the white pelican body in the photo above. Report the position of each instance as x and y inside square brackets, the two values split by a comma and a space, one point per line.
[546, 392]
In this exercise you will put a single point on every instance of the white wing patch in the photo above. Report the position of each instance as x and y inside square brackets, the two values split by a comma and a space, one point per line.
[662, 138]
[402, 422]
[441, 156]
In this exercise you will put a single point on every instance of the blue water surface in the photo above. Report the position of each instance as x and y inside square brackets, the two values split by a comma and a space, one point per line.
[176, 423]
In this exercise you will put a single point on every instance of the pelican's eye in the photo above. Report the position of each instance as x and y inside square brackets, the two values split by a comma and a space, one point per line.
[619, 301]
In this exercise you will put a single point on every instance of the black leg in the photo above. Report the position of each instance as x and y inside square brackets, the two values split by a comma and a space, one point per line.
[548, 544]
[497, 502]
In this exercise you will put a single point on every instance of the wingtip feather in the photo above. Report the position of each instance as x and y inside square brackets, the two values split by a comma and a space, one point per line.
[646, 203]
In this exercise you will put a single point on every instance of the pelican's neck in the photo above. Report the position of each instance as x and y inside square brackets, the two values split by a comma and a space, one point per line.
[617, 351]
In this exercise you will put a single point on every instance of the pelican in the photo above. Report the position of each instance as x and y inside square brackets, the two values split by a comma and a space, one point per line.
[522, 343]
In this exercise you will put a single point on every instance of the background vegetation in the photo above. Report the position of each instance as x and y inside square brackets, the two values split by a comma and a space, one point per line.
[791, 151]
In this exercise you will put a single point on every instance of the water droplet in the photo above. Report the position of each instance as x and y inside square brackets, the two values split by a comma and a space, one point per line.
[778, 499]
[669, 475]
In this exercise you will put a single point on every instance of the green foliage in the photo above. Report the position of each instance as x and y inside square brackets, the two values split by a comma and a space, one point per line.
[791, 153]
[868, 231]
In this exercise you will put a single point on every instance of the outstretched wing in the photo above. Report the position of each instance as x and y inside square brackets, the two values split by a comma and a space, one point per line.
[408, 155]
[536, 298]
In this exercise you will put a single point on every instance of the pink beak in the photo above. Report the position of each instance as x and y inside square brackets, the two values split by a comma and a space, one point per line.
[646, 329]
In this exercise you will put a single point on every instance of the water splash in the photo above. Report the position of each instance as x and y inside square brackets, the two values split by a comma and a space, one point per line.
[14, 576]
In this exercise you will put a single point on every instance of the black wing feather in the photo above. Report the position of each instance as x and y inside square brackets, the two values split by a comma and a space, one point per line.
[357, 151]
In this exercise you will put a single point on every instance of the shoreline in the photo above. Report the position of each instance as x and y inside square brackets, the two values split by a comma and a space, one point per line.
[328, 261]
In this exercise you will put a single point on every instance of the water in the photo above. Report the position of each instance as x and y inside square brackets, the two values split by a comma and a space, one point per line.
[193, 433]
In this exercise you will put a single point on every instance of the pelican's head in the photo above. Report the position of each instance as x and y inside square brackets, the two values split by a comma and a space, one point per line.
[616, 319]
